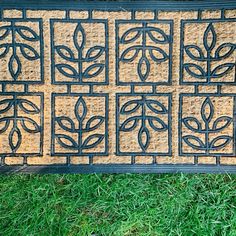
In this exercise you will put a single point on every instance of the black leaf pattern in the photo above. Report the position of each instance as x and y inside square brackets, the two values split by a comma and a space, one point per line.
[93, 70]
[4, 49]
[66, 141]
[67, 70]
[30, 126]
[94, 122]
[4, 31]
[129, 124]
[157, 54]
[83, 125]
[65, 53]
[94, 53]
[8, 121]
[66, 123]
[14, 66]
[80, 109]
[92, 141]
[4, 124]
[205, 127]
[206, 71]
[28, 106]
[27, 33]
[15, 139]
[18, 47]
[81, 73]
[143, 138]
[145, 122]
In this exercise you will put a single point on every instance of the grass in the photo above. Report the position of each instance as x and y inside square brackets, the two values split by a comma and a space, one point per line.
[126, 204]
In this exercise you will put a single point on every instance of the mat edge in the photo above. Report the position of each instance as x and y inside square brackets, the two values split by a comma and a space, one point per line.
[120, 168]
[124, 5]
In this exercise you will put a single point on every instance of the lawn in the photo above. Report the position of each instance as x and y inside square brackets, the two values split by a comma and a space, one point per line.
[127, 204]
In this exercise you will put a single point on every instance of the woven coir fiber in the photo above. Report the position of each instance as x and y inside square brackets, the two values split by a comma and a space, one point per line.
[117, 87]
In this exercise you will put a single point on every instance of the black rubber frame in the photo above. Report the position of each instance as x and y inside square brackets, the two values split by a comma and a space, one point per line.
[119, 168]
[118, 6]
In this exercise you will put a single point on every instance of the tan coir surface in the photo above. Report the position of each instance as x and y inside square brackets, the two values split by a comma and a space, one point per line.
[116, 87]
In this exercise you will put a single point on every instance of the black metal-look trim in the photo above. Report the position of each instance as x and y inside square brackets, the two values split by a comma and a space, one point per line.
[119, 168]
[118, 6]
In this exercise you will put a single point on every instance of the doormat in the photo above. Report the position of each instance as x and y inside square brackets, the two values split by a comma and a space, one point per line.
[116, 87]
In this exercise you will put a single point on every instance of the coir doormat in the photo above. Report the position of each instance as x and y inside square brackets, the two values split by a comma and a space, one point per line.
[117, 86]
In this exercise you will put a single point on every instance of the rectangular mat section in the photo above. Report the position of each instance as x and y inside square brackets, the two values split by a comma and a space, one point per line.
[116, 87]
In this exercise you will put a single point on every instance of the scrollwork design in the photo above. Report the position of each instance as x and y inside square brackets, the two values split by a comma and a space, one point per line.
[207, 127]
[91, 55]
[155, 122]
[197, 54]
[67, 124]
[157, 54]
[27, 51]
[26, 123]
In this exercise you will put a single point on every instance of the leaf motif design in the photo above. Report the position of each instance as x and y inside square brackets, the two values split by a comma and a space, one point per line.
[156, 106]
[29, 52]
[94, 122]
[4, 124]
[221, 122]
[192, 123]
[220, 142]
[158, 55]
[130, 107]
[143, 138]
[131, 35]
[92, 141]
[157, 124]
[29, 125]
[129, 124]
[27, 33]
[66, 141]
[209, 38]
[65, 53]
[194, 142]
[14, 66]
[221, 70]
[67, 70]
[157, 35]
[224, 50]
[195, 70]
[143, 68]
[93, 70]
[79, 37]
[66, 123]
[207, 110]
[129, 54]
[28, 106]
[5, 105]
[15, 139]
[194, 52]
[4, 49]
[4, 31]
[94, 53]
[80, 109]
